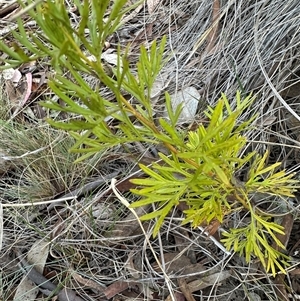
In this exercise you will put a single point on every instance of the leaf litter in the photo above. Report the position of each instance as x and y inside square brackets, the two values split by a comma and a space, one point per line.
[214, 47]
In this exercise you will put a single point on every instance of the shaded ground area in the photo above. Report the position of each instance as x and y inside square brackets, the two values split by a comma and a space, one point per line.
[65, 216]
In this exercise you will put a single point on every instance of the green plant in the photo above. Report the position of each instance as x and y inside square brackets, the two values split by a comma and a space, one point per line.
[201, 165]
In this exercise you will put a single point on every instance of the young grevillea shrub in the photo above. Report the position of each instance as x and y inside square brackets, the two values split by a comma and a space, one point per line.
[199, 166]
[200, 171]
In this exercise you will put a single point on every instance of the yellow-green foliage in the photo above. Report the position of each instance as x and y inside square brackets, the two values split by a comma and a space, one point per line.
[201, 164]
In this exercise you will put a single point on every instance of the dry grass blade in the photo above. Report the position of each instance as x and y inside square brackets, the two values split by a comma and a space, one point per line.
[213, 46]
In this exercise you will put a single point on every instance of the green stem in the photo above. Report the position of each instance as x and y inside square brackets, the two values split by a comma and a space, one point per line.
[152, 126]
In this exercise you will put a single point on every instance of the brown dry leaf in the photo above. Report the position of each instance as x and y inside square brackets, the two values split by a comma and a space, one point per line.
[68, 295]
[193, 269]
[182, 242]
[128, 226]
[130, 266]
[12, 93]
[58, 228]
[18, 92]
[185, 289]
[279, 281]
[180, 264]
[295, 272]
[291, 91]
[37, 256]
[296, 283]
[28, 88]
[152, 4]
[266, 120]
[178, 297]
[176, 262]
[295, 279]
[212, 36]
[117, 287]
[133, 14]
[87, 283]
[210, 280]
[19, 88]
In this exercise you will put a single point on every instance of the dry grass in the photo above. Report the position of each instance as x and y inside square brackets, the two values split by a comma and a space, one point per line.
[255, 49]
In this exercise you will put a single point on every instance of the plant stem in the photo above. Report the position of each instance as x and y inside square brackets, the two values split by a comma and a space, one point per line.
[152, 126]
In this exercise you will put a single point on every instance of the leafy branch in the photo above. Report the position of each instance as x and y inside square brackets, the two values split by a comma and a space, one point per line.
[200, 166]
